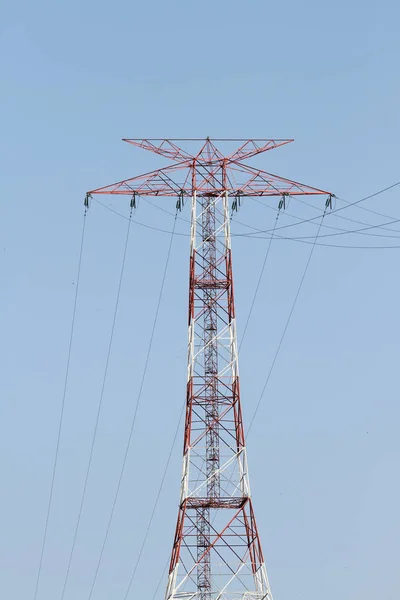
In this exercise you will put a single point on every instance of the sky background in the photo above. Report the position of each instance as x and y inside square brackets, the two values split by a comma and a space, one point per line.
[324, 451]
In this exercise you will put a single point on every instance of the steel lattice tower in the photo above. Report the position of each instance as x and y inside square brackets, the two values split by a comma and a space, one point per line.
[216, 552]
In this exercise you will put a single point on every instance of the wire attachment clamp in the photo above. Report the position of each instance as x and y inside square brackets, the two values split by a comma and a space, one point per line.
[180, 203]
[282, 202]
[86, 201]
[133, 203]
[237, 202]
[328, 203]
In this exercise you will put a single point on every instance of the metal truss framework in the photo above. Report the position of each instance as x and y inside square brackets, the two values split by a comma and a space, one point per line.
[216, 552]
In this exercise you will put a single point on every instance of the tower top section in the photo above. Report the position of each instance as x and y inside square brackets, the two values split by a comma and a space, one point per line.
[199, 166]
[208, 151]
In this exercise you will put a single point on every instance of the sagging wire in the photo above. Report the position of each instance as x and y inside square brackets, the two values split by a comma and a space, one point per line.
[328, 205]
[302, 240]
[155, 504]
[343, 231]
[64, 394]
[281, 205]
[134, 416]
[264, 237]
[167, 212]
[333, 212]
[386, 189]
[101, 398]
[161, 579]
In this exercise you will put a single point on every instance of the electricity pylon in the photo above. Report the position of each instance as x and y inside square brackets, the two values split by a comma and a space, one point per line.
[216, 553]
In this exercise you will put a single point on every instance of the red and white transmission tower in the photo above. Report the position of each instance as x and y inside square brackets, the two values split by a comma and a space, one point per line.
[216, 552]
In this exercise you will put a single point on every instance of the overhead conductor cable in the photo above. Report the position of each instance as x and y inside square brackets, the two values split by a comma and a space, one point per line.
[60, 425]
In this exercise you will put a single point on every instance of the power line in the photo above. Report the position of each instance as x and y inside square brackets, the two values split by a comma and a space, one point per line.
[364, 208]
[349, 218]
[389, 187]
[286, 326]
[305, 241]
[134, 414]
[255, 236]
[345, 231]
[265, 385]
[258, 282]
[100, 404]
[295, 301]
[298, 199]
[301, 221]
[161, 579]
[164, 210]
[363, 230]
[155, 504]
[139, 223]
[349, 231]
[263, 391]
[62, 404]
[332, 212]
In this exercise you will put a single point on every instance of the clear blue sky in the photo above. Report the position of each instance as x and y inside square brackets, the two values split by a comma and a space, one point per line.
[324, 452]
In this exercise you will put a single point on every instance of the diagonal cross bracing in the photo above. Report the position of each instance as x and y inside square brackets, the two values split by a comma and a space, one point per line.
[216, 515]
